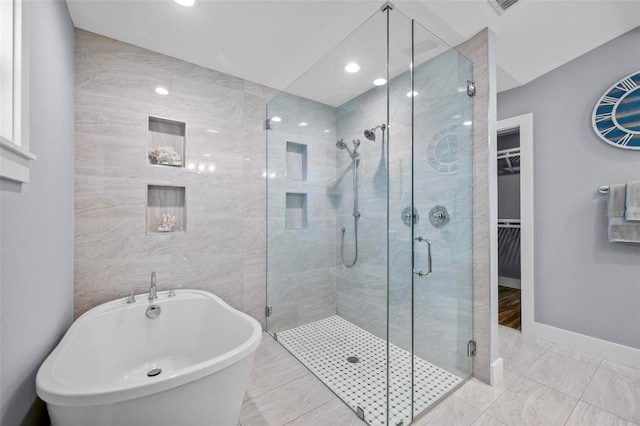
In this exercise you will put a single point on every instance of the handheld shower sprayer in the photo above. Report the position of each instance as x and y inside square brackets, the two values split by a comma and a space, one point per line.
[341, 144]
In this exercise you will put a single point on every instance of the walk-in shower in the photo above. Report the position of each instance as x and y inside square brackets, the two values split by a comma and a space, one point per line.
[366, 286]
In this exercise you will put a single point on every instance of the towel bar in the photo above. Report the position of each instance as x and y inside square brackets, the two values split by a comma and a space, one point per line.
[604, 189]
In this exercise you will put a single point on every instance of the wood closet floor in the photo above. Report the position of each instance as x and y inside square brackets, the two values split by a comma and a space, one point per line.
[509, 307]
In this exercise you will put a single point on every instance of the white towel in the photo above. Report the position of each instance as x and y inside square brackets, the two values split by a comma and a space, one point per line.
[632, 210]
[620, 229]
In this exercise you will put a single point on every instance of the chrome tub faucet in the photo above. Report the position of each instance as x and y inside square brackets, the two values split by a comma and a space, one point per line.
[153, 289]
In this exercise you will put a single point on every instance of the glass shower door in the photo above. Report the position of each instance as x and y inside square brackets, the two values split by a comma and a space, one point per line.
[429, 219]
[442, 232]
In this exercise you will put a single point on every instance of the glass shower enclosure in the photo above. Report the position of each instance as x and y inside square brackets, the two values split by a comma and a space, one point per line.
[369, 209]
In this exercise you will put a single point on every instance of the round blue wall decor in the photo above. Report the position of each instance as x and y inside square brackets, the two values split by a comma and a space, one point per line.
[616, 116]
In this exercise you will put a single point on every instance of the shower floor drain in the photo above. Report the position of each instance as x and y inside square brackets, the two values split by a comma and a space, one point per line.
[353, 359]
[154, 372]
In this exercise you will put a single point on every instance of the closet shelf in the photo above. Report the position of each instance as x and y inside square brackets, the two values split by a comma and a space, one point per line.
[509, 161]
[508, 223]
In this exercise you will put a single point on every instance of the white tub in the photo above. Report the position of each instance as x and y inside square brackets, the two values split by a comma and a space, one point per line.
[97, 375]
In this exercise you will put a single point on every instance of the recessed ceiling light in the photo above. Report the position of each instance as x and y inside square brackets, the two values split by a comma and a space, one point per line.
[352, 67]
[327, 131]
[206, 155]
[212, 131]
[302, 124]
[161, 90]
[379, 81]
[276, 119]
[411, 94]
[186, 3]
[467, 123]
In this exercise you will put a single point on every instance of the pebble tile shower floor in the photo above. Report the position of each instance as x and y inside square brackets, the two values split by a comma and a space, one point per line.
[325, 345]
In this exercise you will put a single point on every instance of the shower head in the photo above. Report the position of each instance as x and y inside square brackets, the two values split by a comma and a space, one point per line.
[371, 133]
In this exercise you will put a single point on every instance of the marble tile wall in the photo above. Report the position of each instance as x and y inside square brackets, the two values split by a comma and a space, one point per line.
[442, 172]
[223, 249]
[362, 288]
[479, 49]
[301, 257]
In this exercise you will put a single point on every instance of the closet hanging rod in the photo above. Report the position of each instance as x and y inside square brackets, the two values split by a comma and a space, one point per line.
[511, 152]
[604, 189]
[508, 223]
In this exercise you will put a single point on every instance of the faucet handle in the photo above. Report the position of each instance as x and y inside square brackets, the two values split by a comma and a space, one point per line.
[172, 289]
[131, 296]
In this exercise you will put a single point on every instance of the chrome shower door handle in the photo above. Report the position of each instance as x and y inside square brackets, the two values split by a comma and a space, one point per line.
[429, 260]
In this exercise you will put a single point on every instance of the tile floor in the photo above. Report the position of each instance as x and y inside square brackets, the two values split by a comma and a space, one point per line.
[324, 346]
[544, 385]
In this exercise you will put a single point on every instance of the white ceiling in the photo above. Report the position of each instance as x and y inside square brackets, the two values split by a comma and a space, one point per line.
[275, 42]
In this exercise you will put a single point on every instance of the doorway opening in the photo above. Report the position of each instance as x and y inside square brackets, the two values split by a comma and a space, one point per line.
[509, 236]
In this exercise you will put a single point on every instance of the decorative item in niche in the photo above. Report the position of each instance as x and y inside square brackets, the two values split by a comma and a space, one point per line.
[166, 209]
[616, 115]
[166, 142]
[165, 155]
[167, 223]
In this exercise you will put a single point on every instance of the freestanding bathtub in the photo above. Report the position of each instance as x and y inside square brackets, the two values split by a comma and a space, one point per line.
[102, 372]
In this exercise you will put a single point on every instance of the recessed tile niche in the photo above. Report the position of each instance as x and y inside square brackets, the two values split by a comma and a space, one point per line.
[296, 161]
[166, 142]
[166, 211]
[296, 211]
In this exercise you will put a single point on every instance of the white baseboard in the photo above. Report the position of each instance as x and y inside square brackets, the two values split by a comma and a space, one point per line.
[496, 372]
[611, 351]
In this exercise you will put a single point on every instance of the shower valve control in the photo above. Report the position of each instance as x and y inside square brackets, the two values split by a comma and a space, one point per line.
[410, 216]
[438, 216]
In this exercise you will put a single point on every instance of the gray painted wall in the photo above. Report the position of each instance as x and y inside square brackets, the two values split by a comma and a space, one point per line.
[583, 283]
[509, 196]
[37, 219]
